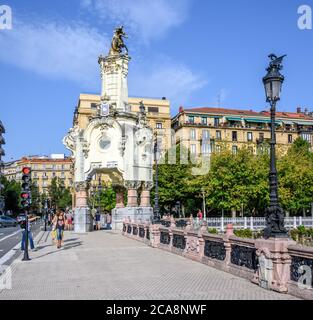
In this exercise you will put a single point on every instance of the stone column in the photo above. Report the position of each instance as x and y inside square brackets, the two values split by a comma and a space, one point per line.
[82, 218]
[119, 190]
[81, 194]
[145, 194]
[132, 193]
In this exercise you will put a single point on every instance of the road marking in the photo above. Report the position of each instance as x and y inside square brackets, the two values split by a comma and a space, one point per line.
[8, 255]
[10, 235]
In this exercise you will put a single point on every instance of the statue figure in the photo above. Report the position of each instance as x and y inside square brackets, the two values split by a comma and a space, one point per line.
[117, 44]
[276, 61]
[274, 221]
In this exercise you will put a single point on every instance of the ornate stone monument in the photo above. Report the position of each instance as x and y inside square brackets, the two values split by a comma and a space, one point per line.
[116, 142]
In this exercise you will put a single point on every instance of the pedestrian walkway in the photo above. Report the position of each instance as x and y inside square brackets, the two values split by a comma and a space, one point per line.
[105, 265]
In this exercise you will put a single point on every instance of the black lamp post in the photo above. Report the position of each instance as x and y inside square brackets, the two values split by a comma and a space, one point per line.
[2, 153]
[156, 209]
[274, 214]
[99, 193]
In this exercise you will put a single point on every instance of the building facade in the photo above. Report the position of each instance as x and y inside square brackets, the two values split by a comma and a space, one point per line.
[157, 110]
[44, 169]
[204, 130]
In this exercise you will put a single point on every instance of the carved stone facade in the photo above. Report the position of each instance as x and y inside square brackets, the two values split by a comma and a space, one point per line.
[114, 142]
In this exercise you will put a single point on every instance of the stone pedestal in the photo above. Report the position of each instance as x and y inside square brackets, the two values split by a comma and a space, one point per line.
[82, 217]
[145, 194]
[130, 213]
[119, 190]
[274, 264]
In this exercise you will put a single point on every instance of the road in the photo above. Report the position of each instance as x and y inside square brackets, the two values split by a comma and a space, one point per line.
[11, 237]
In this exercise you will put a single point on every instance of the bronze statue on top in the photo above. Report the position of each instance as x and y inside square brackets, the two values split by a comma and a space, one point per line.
[117, 44]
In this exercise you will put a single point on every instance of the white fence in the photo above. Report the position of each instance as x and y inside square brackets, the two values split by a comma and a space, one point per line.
[253, 223]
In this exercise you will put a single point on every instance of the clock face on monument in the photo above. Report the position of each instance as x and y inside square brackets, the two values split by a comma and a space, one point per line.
[104, 109]
[104, 143]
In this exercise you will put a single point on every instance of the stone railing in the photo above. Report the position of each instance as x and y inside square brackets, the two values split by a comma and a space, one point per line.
[273, 264]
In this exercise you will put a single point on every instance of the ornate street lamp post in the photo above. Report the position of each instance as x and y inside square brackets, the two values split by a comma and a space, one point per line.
[99, 193]
[2, 153]
[274, 214]
[156, 209]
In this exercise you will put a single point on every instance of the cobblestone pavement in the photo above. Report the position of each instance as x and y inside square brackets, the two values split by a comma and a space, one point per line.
[105, 265]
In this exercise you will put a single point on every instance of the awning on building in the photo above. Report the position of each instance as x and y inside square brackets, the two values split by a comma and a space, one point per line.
[233, 119]
[288, 122]
[256, 120]
[304, 123]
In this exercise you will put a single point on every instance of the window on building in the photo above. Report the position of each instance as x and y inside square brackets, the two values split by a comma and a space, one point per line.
[193, 149]
[93, 105]
[192, 134]
[53, 167]
[191, 119]
[234, 149]
[44, 184]
[289, 138]
[261, 137]
[216, 122]
[35, 174]
[204, 121]
[62, 175]
[159, 125]
[234, 135]
[307, 137]
[218, 149]
[153, 109]
[62, 167]
[206, 148]
[249, 136]
[53, 175]
[218, 135]
[205, 135]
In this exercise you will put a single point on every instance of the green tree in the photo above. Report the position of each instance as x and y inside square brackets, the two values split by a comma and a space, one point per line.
[59, 195]
[295, 170]
[174, 175]
[106, 199]
[11, 193]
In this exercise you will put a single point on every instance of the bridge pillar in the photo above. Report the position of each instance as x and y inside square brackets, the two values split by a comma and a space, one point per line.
[145, 194]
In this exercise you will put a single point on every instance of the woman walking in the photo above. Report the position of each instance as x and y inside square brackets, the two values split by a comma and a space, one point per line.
[59, 222]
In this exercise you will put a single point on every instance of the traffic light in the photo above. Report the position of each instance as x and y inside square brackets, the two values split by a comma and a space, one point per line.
[26, 192]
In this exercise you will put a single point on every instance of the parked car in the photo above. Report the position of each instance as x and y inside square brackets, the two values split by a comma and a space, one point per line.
[6, 221]
[21, 217]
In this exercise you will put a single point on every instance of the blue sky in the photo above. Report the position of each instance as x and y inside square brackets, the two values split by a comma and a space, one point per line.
[190, 51]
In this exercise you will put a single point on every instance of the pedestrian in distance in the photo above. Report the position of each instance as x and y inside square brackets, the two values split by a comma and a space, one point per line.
[109, 221]
[200, 215]
[58, 223]
[69, 219]
[98, 220]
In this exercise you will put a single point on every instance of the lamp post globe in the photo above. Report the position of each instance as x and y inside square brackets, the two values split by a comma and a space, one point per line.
[274, 213]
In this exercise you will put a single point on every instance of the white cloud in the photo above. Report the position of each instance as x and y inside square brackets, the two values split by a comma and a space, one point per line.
[173, 81]
[147, 19]
[55, 50]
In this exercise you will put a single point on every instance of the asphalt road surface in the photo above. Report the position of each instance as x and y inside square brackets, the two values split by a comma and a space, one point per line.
[10, 237]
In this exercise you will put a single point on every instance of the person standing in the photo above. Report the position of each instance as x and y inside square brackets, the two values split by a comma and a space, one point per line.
[200, 215]
[109, 221]
[98, 220]
[69, 219]
[30, 235]
[59, 222]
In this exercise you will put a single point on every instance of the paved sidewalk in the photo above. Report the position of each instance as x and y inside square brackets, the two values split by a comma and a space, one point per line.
[105, 265]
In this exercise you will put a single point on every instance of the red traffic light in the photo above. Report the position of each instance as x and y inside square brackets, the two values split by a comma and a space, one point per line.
[26, 170]
[25, 195]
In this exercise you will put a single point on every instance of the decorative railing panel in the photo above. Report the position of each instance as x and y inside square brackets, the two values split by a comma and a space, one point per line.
[181, 223]
[129, 229]
[166, 223]
[148, 234]
[214, 250]
[301, 267]
[165, 238]
[244, 256]
[135, 231]
[124, 227]
[141, 232]
[179, 241]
